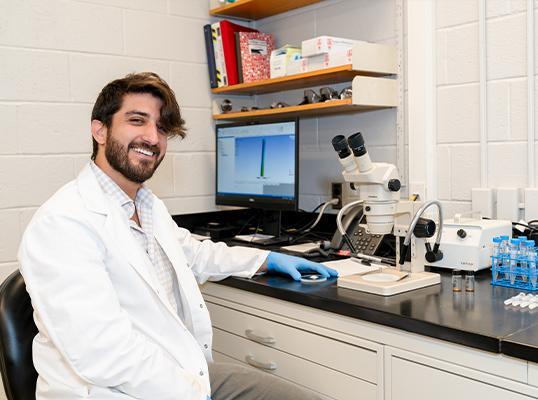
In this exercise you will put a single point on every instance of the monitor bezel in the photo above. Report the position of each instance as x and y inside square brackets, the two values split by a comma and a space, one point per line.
[260, 202]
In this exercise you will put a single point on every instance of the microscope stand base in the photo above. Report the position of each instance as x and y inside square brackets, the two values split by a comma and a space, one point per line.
[415, 280]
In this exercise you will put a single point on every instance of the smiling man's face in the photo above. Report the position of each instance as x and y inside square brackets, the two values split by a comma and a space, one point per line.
[135, 142]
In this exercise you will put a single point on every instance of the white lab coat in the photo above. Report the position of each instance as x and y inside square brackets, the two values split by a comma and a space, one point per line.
[106, 330]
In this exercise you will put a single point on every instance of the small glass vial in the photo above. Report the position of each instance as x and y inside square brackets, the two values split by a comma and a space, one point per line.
[469, 281]
[456, 280]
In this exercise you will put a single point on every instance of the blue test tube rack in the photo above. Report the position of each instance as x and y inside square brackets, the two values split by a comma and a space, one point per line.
[507, 271]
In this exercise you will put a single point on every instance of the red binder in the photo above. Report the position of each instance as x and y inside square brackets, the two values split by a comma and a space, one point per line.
[228, 30]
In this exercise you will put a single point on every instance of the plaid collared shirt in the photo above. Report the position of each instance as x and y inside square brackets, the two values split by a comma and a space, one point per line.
[143, 234]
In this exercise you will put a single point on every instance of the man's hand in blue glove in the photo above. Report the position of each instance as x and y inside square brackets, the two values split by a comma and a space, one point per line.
[293, 266]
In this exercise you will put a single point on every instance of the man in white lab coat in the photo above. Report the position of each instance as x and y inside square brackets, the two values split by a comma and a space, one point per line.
[114, 281]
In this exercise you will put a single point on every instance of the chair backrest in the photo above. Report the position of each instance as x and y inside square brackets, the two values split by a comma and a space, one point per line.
[17, 331]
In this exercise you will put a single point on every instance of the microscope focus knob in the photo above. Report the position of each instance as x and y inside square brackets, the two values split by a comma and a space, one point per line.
[394, 185]
[461, 233]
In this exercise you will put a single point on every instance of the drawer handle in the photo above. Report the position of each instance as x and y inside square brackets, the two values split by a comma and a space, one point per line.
[269, 366]
[249, 333]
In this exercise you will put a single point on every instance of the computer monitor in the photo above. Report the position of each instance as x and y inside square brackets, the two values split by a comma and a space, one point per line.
[257, 165]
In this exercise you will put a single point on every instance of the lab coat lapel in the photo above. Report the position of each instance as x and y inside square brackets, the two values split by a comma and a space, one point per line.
[166, 238]
[117, 230]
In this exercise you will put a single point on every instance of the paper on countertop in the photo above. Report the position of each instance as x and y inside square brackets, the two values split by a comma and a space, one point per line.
[200, 237]
[347, 267]
[253, 238]
[301, 248]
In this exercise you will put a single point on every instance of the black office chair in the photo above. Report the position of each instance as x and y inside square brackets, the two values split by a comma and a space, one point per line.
[17, 331]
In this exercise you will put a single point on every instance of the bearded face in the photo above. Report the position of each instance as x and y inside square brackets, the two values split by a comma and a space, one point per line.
[136, 161]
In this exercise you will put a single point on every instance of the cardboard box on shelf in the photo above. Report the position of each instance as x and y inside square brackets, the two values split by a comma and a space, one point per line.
[325, 44]
[285, 61]
[334, 58]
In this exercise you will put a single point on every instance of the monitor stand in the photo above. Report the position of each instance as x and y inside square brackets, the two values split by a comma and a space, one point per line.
[272, 225]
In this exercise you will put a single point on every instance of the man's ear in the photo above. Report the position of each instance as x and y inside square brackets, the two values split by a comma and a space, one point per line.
[99, 131]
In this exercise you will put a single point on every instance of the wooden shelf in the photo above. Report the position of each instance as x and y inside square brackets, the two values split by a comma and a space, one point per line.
[314, 110]
[258, 9]
[344, 73]
[369, 59]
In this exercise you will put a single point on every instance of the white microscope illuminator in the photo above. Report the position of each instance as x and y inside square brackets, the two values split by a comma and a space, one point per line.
[467, 242]
[378, 187]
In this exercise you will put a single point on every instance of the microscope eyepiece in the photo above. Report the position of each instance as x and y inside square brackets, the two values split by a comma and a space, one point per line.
[356, 142]
[340, 146]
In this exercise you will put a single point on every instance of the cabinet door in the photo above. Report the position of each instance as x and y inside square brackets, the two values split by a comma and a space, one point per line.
[533, 374]
[414, 380]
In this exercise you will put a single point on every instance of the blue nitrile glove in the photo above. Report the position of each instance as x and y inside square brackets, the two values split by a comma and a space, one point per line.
[293, 266]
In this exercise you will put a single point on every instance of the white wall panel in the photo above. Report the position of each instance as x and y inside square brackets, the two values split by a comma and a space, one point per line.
[444, 172]
[30, 180]
[359, 19]
[54, 128]
[506, 47]
[461, 54]
[194, 174]
[458, 114]
[191, 84]
[456, 12]
[11, 234]
[8, 129]
[186, 205]
[465, 175]
[33, 75]
[507, 164]
[62, 25]
[89, 73]
[161, 183]
[189, 8]
[147, 5]
[200, 131]
[170, 38]
[495, 8]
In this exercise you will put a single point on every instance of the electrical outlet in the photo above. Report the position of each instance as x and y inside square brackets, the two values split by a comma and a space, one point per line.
[336, 193]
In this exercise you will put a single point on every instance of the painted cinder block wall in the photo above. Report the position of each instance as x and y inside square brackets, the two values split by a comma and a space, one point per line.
[56, 55]
[458, 98]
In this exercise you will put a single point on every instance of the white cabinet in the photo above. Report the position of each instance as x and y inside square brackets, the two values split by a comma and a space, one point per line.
[533, 374]
[347, 358]
[332, 367]
[412, 377]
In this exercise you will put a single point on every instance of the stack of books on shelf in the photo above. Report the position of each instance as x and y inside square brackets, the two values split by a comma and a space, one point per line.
[236, 53]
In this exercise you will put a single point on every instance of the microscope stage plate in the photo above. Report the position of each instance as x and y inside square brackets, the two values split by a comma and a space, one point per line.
[415, 280]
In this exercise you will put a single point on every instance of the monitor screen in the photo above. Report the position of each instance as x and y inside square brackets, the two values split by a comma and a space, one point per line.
[257, 164]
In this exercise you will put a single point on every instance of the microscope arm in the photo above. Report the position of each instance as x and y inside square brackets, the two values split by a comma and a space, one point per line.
[413, 224]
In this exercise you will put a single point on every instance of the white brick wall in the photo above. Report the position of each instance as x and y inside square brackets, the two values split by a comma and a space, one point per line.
[55, 56]
[458, 98]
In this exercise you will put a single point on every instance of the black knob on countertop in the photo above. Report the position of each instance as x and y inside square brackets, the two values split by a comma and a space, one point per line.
[394, 185]
[461, 233]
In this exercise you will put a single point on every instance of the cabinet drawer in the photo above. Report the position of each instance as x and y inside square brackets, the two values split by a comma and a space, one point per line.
[303, 372]
[350, 359]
